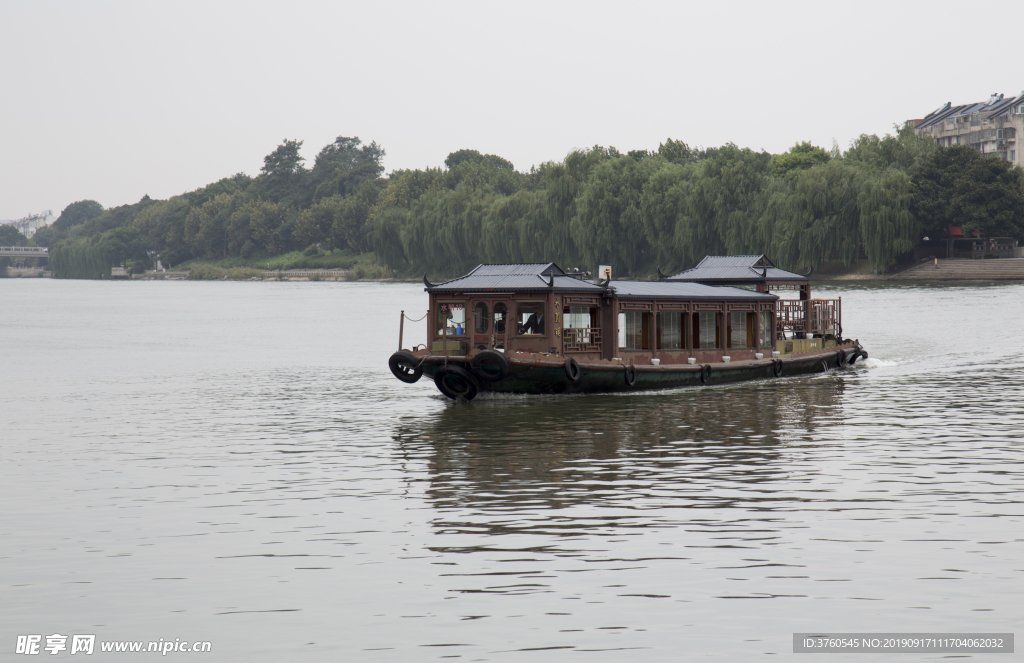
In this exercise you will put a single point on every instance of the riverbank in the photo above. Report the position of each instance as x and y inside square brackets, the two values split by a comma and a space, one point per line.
[295, 266]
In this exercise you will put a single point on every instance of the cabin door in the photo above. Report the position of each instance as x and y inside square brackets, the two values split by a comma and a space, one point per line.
[500, 324]
[490, 317]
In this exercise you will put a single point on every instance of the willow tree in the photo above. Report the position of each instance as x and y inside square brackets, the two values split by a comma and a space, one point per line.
[818, 217]
[516, 229]
[608, 225]
[888, 228]
[563, 184]
[663, 213]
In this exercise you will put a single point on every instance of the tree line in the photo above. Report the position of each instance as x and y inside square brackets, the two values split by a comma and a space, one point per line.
[638, 211]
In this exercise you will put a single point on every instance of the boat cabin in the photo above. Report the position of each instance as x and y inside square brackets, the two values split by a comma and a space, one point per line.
[539, 309]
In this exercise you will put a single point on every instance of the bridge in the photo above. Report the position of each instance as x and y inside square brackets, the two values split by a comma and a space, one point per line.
[24, 252]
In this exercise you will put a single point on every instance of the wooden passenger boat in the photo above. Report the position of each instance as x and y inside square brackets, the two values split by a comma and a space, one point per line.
[534, 329]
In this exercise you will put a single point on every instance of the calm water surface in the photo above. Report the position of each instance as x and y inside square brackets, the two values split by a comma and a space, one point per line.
[234, 462]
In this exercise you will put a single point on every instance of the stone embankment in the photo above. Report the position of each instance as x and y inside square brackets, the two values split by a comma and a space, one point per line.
[27, 272]
[1002, 269]
[162, 275]
[309, 275]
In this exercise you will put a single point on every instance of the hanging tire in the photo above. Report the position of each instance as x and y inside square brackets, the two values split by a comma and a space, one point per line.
[840, 358]
[572, 370]
[854, 356]
[777, 367]
[456, 382]
[863, 355]
[405, 366]
[490, 365]
[705, 373]
[630, 375]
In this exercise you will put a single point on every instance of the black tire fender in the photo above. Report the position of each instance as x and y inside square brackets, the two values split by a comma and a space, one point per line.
[777, 367]
[490, 365]
[405, 366]
[864, 355]
[630, 375]
[705, 373]
[854, 356]
[840, 358]
[572, 369]
[456, 382]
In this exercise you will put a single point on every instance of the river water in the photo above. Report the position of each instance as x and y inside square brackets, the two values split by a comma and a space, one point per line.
[233, 462]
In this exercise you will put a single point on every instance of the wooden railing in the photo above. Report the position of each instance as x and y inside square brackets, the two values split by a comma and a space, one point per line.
[581, 339]
[814, 316]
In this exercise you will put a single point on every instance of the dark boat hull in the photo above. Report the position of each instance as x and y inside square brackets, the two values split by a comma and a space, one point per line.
[538, 376]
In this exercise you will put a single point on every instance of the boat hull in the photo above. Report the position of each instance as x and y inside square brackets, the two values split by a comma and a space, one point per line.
[540, 376]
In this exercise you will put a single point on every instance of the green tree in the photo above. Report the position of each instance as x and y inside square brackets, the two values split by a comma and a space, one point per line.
[343, 165]
[676, 151]
[905, 150]
[888, 228]
[11, 236]
[47, 236]
[608, 225]
[283, 178]
[78, 213]
[799, 157]
[957, 186]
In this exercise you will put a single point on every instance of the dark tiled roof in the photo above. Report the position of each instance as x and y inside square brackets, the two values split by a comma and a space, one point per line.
[684, 290]
[516, 278]
[511, 270]
[736, 269]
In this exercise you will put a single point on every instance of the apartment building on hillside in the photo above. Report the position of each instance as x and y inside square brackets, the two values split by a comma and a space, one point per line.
[991, 127]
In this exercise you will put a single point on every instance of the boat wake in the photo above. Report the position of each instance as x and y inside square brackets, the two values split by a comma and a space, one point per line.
[871, 362]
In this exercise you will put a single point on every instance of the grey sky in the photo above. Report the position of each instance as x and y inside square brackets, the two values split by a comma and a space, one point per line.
[114, 100]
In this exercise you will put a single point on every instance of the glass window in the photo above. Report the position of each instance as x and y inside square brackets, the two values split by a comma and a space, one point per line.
[670, 330]
[633, 330]
[480, 323]
[581, 317]
[530, 321]
[707, 332]
[499, 317]
[767, 330]
[452, 315]
[741, 329]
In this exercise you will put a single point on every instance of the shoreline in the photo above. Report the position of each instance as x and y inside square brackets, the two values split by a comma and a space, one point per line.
[965, 270]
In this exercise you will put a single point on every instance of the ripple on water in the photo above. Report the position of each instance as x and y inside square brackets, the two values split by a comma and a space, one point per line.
[250, 467]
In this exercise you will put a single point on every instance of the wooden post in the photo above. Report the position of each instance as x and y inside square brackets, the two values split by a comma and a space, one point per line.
[401, 329]
[757, 327]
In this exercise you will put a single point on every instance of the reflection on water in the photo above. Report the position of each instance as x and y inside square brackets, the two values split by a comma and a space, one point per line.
[248, 472]
[655, 450]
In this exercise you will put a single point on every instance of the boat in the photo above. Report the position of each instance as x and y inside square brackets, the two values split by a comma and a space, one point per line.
[538, 329]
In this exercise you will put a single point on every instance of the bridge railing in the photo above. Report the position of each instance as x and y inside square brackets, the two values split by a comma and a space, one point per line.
[27, 251]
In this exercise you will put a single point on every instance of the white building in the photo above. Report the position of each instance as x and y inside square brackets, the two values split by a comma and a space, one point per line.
[991, 127]
[31, 223]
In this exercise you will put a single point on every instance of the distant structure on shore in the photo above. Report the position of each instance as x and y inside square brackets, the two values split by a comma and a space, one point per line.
[990, 127]
[31, 223]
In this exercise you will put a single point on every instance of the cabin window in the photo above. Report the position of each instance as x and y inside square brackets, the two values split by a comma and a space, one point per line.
[580, 317]
[480, 321]
[452, 315]
[530, 318]
[670, 330]
[500, 311]
[634, 330]
[707, 330]
[741, 329]
[767, 329]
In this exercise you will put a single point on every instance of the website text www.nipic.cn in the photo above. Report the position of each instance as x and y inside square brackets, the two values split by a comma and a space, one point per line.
[86, 644]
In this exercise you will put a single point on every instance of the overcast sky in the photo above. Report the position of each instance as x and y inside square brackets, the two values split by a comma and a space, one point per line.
[115, 100]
